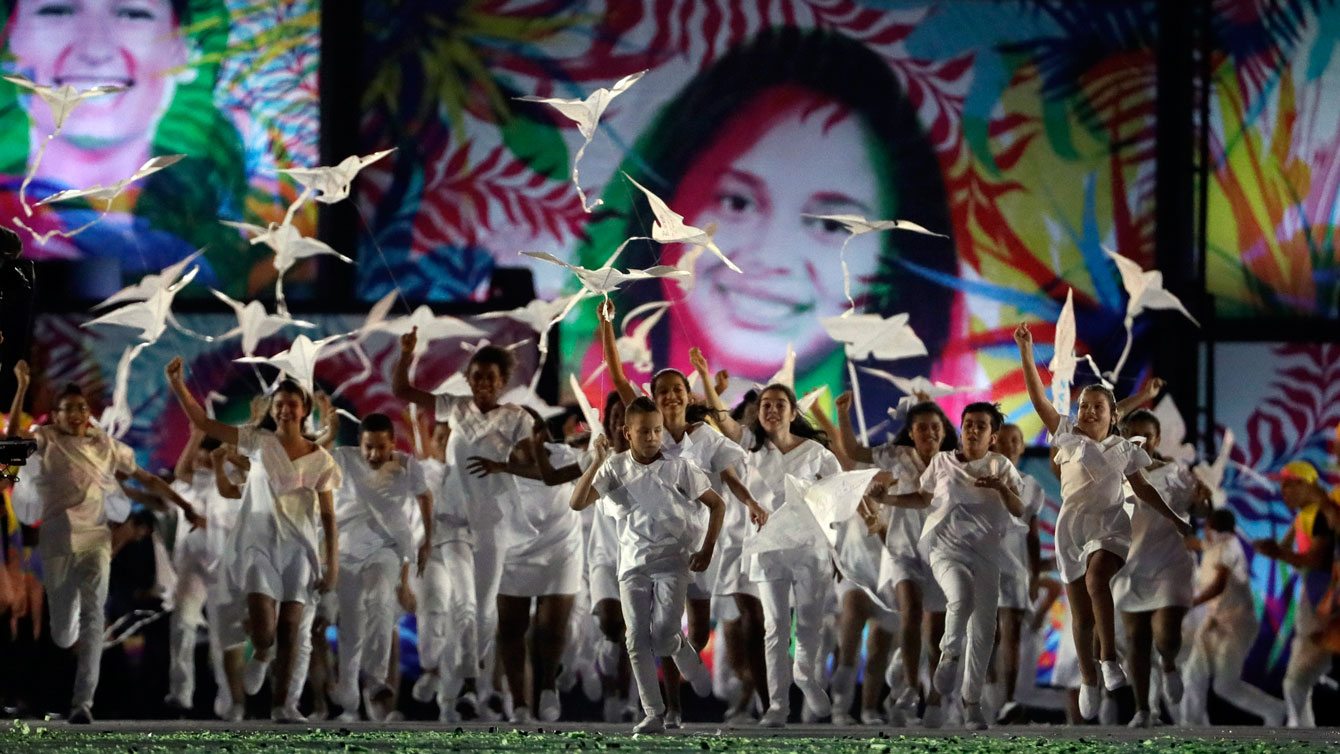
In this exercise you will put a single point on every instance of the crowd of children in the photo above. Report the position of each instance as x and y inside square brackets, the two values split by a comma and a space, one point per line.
[528, 558]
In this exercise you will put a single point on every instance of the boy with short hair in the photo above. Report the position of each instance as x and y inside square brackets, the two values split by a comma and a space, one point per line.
[651, 498]
[375, 554]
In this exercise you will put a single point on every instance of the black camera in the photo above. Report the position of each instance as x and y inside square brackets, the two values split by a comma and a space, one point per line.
[15, 452]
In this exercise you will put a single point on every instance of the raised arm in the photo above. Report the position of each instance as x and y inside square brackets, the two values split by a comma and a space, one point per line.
[330, 421]
[725, 422]
[1144, 395]
[850, 443]
[225, 433]
[185, 467]
[1037, 392]
[400, 385]
[716, 508]
[21, 380]
[161, 489]
[605, 316]
[838, 447]
[583, 493]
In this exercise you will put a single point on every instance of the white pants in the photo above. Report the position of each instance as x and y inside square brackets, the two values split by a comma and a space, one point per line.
[193, 594]
[448, 616]
[971, 585]
[1219, 650]
[1308, 662]
[76, 593]
[302, 657]
[805, 592]
[653, 614]
[489, 556]
[367, 597]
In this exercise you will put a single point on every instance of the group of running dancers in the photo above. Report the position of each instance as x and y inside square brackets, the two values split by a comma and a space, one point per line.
[527, 559]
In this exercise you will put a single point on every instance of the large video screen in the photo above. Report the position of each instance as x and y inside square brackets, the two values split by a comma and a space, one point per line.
[1022, 131]
[1274, 183]
[230, 84]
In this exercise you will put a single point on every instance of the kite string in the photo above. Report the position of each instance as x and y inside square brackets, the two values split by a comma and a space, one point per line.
[400, 292]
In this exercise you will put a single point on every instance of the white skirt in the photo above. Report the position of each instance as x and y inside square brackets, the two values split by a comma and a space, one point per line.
[1174, 587]
[1079, 534]
[537, 569]
[731, 575]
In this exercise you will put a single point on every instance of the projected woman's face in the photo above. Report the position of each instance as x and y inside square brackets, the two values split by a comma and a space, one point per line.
[85, 43]
[811, 160]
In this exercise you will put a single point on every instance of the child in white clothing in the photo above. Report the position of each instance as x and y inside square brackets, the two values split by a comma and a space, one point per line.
[651, 497]
[973, 497]
[1093, 532]
[375, 558]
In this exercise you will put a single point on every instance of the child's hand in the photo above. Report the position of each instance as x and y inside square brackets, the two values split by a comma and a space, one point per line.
[698, 361]
[1267, 547]
[21, 372]
[409, 341]
[323, 403]
[601, 446]
[172, 370]
[259, 407]
[196, 520]
[991, 483]
[1154, 386]
[1023, 337]
[700, 560]
[606, 310]
[479, 466]
[843, 403]
[757, 516]
[1193, 544]
[721, 381]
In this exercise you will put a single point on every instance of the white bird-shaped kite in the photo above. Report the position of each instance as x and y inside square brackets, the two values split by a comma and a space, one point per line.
[859, 226]
[431, 328]
[101, 193]
[912, 387]
[62, 100]
[589, 413]
[254, 323]
[867, 335]
[150, 284]
[834, 499]
[151, 316]
[1212, 475]
[1145, 291]
[298, 361]
[376, 315]
[607, 279]
[1063, 363]
[586, 114]
[116, 419]
[807, 401]
[289, 246]
[331, 184]
[786, 373]
[669, 227]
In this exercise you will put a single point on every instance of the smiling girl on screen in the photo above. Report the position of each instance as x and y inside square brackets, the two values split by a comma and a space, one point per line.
[161, 50]
[791, 123]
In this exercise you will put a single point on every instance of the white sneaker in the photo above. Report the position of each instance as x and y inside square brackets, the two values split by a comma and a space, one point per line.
[1141, 720]
[893, 674]
[692, 668]
[817, 703]
[842, 717]
[1113, 676]
[348, 716]
[521, 716]
[871, 717]
[1089, 700]
[973, 717]
[775, 717]
[674, 720]
[425, 688]
[934, 717]
[897, 717]
[253, 675]
[550, 708]
[235, 714]
[945, 675]
[447, 713]
[1172, 686]
[286, 714]
[650, 724]
[907, 701]
[1007, 711]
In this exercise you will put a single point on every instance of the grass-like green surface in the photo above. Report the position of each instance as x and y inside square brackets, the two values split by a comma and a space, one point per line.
[35, 737]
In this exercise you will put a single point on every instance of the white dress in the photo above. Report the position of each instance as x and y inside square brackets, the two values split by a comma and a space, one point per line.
[545, 555]
[1092, 517]
[1159, 571]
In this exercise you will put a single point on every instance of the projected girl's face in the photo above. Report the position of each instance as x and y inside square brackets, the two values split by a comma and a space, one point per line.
[789, 154]
[86, 43]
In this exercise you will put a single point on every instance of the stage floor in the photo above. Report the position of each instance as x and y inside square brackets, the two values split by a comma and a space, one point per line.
[179, 736]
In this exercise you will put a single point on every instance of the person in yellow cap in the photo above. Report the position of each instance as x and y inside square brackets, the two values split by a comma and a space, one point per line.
[1309, 547]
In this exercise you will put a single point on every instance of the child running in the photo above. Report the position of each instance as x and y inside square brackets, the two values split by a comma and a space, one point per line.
[1093, 531]
[651, 496]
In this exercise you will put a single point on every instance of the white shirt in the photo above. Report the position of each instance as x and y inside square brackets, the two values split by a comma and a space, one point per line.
[1093, 473]
[808, 462]
[713, 452]
[75, 477]
[1015, 542]
[1157, 549]
[279, 503]
[905, 524]
[964, 517]
[654, 506]
[220, 514]
[1234, 605]
[491, 435]
[370, 505]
